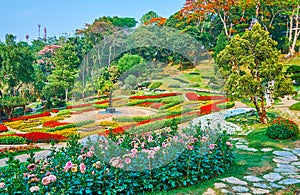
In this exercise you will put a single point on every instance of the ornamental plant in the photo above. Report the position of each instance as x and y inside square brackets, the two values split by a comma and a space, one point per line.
[282, 128]
[78, 169]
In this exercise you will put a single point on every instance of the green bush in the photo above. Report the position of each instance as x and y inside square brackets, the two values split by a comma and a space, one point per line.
[63, 112]
[146, 83]
[282, 128]
[295, 106]
[12, 140]
[155, 85]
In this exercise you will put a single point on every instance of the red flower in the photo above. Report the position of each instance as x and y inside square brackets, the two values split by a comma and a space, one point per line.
[55, 111]
[54, 124]
[29, 117]
[3, 128]
[39, 137]
[155, 96]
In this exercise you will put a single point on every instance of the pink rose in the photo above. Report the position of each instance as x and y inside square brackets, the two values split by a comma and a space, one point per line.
[229, 144]
[34, 189]
[212, 146]
[127, 160]
[52, 178]
[190, 147]
[2, 185]
[90, 154]
[82, 168]
[68, 165]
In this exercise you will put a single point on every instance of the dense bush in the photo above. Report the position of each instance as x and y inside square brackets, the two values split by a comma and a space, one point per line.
[191, 158]
[226, 105]
[12, 140]
[146, 83]
[282, 128]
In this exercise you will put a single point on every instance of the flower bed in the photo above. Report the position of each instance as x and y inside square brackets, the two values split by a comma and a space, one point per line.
[195, 97]
[53, 124]
[17, 149]
[38, 137]
[29, 117]
[3, 128]
[188, 159]
[155, 96]
[91, 104]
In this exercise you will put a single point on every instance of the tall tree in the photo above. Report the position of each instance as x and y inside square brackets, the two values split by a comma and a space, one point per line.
[16, 64]
[148, 16]
[250, 65]
[66, 63]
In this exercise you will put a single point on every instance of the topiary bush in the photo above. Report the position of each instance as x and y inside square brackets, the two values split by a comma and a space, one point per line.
[12, 140]
[295, 106]
[155, 85]
[282, 128]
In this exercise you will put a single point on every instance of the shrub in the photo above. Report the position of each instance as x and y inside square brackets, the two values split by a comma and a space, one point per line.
[3, 128]
[226, 105]
[282, 128]
[295, 106]
[174, 86]
[155, 85]
[12, 140]
[146, 83]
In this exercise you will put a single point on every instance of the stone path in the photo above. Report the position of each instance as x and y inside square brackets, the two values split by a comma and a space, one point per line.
[286, 172]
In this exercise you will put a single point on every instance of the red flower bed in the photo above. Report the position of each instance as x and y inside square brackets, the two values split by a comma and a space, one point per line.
[55, 111]
[54, 124]
[3, 128]
[155, 96]
[157, 105]
[39, 137]
[194, 97]
[91, 104]
[29, 117]
[145, 104]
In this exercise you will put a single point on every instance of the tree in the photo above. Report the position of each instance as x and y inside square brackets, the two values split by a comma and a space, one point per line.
[148, 16]
[250, 66]
[16, 64]
[65, 71]
[127, 61]
[131, 81]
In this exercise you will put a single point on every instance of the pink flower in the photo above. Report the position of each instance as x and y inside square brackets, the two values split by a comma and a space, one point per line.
[156, 149]
[68, 166]
[31, 167]
[52, 178]
[48, 173]
[190, 147]
[120, 166]
[2, 185]
[46, 180]
[229, 144]
[90, 154]
[127, 160]
[134, 151]
[34, 189]
[212, 146]
[163, 145]
[92, 148]
[175, 138]
[143, 144]
[82, 168]
[114, 163]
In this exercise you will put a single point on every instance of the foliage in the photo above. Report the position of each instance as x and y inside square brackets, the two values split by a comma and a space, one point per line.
[249, 63]
[282, 128]
[78, 170]
[226, 105]
[131, 81]
[17, 150]
[295, 106]
[148, 16]
[128, 61]
[294, 71]
[155, 85]
[12, 140]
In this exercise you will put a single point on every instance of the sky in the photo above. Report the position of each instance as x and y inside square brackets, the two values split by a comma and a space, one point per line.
[22, 17]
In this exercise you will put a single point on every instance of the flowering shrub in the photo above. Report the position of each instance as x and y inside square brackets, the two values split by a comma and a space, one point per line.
[82, 170]
[155, 96]
[36, 137]
[29, 117]
[282, 128]
[54, 124]
[3, 128]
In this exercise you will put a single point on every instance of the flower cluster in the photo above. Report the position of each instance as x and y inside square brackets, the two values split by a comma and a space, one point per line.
[195, 97]
[49, 49]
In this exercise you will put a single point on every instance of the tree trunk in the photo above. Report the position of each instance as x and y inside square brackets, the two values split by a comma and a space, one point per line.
[296, 34]
[261, 110]
[224, 24]
[67, 90]
[98, 95]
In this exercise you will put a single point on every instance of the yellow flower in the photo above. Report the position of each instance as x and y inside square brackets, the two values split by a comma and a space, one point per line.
[74, 169]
